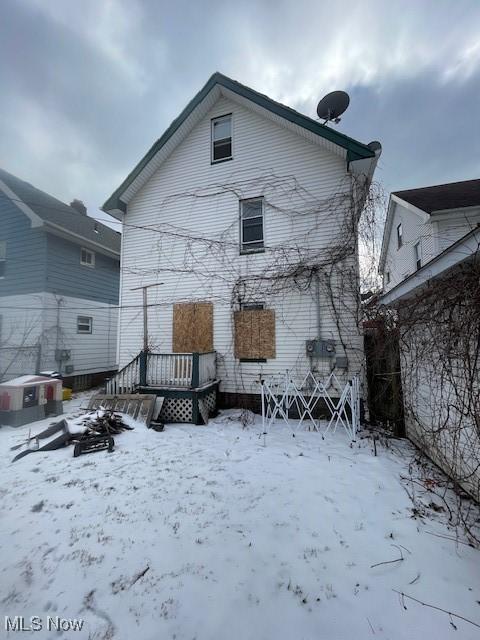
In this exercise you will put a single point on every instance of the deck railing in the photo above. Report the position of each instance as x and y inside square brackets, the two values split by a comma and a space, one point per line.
[207, 367]
[184, 370]
[169, 369]
[126, 380]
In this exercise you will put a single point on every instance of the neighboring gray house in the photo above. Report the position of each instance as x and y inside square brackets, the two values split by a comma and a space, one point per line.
[59, 282]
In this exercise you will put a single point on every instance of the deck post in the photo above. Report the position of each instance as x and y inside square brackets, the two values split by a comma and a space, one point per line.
[143, 368]
[195, 370]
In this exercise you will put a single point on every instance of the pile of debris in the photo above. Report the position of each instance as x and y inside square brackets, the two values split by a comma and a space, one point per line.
[99, 431]
[89, 432]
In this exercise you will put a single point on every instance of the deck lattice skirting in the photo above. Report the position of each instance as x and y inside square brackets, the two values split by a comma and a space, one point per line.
[185, 380]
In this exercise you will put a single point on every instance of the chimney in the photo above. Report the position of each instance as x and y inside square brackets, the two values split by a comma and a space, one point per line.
[79, 206]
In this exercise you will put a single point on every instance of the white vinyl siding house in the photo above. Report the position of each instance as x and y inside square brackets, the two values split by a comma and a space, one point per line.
[400, 262]
[439, 387]
[423, 233]
[242, 208]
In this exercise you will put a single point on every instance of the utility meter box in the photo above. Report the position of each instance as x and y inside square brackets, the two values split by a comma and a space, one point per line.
[62, 354]
[320, 348]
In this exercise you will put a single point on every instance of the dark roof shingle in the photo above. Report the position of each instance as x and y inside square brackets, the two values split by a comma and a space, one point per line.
[57, 212]
[454, 195]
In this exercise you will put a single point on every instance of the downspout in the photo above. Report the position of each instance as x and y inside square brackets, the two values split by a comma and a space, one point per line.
[313, 368]
[317, 301]
[57, 337]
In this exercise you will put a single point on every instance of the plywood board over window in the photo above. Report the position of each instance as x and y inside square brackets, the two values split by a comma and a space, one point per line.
[254, 334]
[192, 327]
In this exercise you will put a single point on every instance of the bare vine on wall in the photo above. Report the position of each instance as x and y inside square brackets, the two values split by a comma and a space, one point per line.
[315, 250]
[438, 334]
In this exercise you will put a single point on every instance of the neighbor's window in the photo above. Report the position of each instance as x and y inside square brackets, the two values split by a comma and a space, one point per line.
[399, 236]
[251, 225]
[222, 138]
[87, 257]
[418, 254]
[3, 258]
[387, 277]
[84, 324]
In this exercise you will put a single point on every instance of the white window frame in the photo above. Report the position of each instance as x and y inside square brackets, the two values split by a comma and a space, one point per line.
[212, 126]
[85, 263]
[85, 321]
[399, 235]
[3, 257]
[244, 248]
[417, 254]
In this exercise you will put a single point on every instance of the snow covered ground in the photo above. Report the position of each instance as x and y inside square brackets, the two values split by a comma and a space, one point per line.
[205, 533]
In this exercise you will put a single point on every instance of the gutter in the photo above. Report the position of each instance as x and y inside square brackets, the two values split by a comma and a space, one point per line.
[65, 233]
[463, 249]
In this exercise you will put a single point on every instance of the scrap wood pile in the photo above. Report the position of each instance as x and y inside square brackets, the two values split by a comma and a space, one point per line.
[89, 432]
[99, 431]
[103, 422]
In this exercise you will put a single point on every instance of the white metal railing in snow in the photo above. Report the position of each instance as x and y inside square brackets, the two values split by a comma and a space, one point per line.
[207, 367]
[282, 394]
[126, 380]
[169, 369]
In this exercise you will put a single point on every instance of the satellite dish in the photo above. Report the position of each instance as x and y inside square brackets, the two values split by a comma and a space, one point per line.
[332, 106]
[375, 146]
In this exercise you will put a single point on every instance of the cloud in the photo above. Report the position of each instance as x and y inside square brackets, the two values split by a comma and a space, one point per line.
[87, 87]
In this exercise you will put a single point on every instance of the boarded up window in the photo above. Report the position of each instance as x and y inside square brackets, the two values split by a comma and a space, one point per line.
[193, 327]
[254, 334]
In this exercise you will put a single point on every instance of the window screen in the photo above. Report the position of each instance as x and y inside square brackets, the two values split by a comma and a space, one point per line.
[399, 236]
[84, 324]
[251, 213]
[87, 257]
[418, 255]
[222, 138]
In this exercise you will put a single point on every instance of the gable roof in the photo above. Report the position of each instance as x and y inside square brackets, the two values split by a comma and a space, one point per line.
[354, 150]
[426, 201]
[466, 248]
[60, 216]
[440, 197]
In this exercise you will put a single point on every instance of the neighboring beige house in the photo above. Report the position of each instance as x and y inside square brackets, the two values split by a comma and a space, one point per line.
[246, 211]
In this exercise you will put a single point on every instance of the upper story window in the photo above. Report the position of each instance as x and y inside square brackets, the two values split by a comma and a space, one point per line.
[251, 225]
[417, 250]
[399, 236]
[222, 138]
[87, 257]
[84, 324]
[3, 258]
[387, 277]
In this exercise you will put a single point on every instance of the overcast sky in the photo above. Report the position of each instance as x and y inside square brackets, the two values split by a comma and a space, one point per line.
[87, 86]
